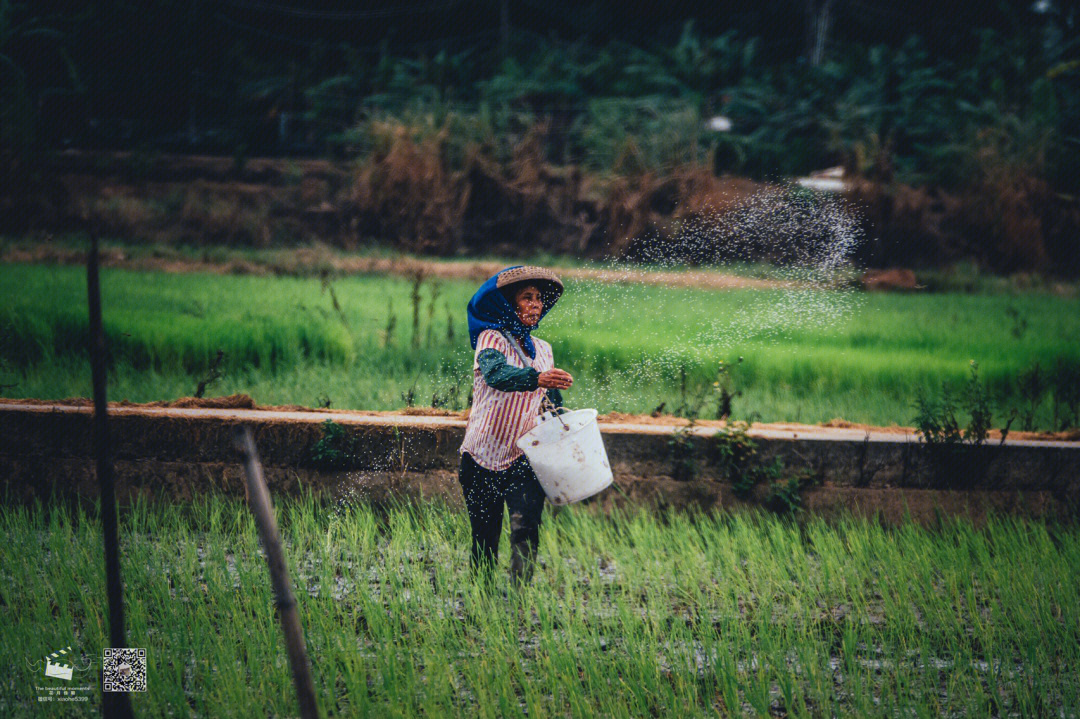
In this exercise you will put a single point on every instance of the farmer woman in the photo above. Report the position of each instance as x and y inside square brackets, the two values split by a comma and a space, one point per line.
[512, 373]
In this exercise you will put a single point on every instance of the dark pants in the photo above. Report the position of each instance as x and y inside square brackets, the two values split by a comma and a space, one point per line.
[485, 493]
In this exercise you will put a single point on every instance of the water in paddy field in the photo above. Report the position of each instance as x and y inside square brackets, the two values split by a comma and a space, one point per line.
[808, 240]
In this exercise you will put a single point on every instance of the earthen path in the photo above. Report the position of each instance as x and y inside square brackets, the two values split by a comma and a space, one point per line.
[308, 261]
[614, 424]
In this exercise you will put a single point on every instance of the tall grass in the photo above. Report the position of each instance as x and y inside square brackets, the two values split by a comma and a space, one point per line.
[810, 358]
[629, 614]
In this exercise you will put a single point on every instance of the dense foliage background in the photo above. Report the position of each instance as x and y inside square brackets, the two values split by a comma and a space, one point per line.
[979, 104]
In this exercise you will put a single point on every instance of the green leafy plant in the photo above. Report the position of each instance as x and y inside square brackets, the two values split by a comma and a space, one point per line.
[681, 447]
[692, 395]
[784, 497]
[735, 453]
[1033, 384]
[1066, 383]
[737, 457]
[977, 403]
[337, 449]
[409, 396]
[948, 445]
[936, 419]
[449, 397]
[724, 386]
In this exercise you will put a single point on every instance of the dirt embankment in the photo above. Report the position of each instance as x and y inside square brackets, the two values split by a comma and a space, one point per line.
[308, 261]
[243, 401]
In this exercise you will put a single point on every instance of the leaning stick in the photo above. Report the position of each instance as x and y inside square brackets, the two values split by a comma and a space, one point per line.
[114, 704]
[259, 499]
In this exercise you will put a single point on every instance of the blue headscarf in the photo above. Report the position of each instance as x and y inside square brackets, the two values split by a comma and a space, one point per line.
[489, 310]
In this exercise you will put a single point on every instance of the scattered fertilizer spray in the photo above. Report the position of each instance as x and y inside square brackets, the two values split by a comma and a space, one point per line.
[808, 242]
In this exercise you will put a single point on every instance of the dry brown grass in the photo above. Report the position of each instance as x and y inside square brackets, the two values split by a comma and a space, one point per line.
[408, 196]
[647, 205]
[1010, 222]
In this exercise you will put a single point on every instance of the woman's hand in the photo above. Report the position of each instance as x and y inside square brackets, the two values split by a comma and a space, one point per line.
[555, 379]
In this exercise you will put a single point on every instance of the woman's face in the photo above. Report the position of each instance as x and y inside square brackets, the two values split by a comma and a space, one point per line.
[528, 305]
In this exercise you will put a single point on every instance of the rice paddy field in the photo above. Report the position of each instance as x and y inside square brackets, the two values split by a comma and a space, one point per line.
[629, 614]
[380, 342]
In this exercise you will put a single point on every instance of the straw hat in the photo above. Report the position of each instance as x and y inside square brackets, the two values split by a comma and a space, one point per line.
[549, 282]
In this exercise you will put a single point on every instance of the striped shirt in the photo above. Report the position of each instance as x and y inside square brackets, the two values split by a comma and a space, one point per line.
[497, 418]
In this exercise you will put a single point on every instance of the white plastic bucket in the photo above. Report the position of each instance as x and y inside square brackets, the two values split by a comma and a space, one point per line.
[568, 456]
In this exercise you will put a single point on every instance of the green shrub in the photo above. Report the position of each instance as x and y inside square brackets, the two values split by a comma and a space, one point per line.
[337, 449]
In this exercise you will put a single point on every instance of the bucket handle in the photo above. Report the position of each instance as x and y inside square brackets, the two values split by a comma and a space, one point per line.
[549, 407]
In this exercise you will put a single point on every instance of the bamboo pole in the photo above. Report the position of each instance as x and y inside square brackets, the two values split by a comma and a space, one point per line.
[259, 500]
[114, 704]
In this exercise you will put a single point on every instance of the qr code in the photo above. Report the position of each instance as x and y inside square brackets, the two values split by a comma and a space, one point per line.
[124, 670]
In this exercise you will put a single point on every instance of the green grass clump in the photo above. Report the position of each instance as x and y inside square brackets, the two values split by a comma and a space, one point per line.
[807, 357]
[629, 614]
